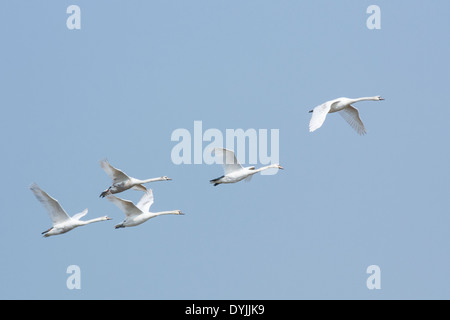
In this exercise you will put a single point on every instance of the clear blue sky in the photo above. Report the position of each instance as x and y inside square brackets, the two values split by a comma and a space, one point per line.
[138, 70]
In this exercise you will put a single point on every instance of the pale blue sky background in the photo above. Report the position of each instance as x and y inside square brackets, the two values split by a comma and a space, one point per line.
[137, 70]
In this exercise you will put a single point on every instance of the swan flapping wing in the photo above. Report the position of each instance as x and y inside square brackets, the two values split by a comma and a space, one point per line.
[319, 115]
[351, 115]
[80, 215]
[227, 159]
[115, 174]
[54, 209]
[126, 206]
[139, 187]
[146, 201]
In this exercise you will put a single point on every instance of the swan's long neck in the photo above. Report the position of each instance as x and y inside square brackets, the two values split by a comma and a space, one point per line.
[83, 223]
[364, 99]
[154, 214]
[148, 180]
[266, 167]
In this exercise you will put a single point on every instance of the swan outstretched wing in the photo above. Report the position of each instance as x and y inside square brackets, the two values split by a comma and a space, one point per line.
[126, 206]
[351, 115]
[227, 159]
[319, 115]
[115, 174]
[80, 215]
[139, 187]
[146, 201]
[54, 209]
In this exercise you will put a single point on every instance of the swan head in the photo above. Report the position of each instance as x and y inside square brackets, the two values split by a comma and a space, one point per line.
[179, 212]
[166, 178]
[379, 98]
[279, 167]
[105, 218]
[251, 168]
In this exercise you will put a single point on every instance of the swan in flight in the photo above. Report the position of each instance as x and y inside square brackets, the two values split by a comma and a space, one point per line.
[62, 223]
[345, 109]
[122, 182]
[233, 171]
[139, 213]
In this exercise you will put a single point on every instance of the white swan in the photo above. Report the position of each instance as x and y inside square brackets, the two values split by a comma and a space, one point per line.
[346, 110]
[233, 171]
[122, 182]
[62, 223]
[139, 213]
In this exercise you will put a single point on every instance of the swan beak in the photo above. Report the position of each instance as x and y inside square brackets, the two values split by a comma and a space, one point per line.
[280, 167]
[381, 99]
[108, 218]
[310, 111]
[168, 178]
[181, 213]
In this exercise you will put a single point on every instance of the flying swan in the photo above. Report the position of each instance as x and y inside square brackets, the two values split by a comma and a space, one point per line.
[233, 171]
[345, 109]
[139, 213]
[122, 182]
[62, 223]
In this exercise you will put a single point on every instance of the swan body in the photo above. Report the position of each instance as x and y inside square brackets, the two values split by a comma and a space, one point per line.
[122, 182]
[346, 110]
[139, 213]
[62, 223]
[233, 170]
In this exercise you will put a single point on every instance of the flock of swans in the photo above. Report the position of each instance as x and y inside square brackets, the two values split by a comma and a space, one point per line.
[136, 214]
